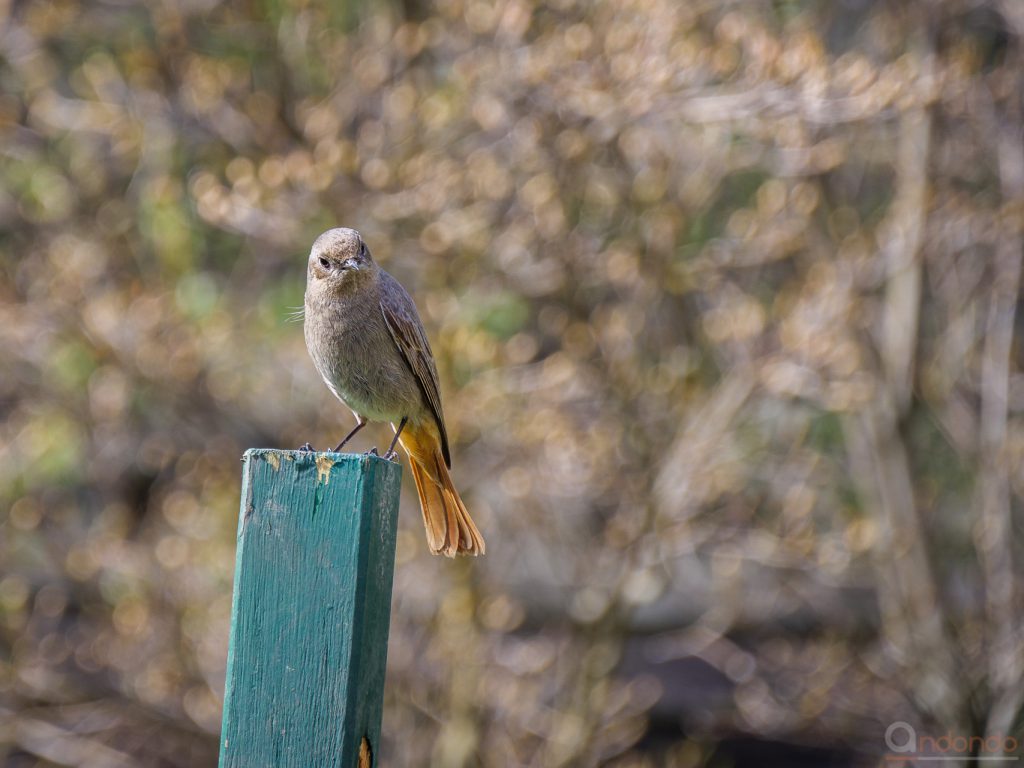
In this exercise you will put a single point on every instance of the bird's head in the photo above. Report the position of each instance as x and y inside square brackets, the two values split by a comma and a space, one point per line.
[338, 261]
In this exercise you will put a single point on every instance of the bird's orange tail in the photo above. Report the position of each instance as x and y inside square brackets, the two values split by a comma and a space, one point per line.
[450, 529]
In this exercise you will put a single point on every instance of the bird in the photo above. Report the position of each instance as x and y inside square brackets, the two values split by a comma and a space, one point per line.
[368, 343]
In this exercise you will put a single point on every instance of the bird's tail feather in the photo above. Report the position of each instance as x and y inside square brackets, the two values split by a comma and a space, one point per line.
[450, 529]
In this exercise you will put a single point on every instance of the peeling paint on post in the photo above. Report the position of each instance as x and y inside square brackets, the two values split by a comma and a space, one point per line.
[311, 609]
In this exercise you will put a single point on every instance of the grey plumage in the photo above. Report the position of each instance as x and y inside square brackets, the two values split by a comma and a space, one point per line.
[345, 332]
[367, 341]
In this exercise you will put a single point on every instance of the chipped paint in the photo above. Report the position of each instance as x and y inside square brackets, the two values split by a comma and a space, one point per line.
[365, 754]
[273, 460]
[323, 468]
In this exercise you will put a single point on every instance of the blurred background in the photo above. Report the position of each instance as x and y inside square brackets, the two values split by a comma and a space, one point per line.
[724, 300]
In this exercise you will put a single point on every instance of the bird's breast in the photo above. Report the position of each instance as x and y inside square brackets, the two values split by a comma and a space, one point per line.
[357, 358]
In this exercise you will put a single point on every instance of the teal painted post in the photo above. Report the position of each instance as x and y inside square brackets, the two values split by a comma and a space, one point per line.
[311, 609]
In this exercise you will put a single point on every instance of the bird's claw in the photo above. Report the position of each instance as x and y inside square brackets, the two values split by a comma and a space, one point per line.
[307, 448]
[390, 456]
[372, 452]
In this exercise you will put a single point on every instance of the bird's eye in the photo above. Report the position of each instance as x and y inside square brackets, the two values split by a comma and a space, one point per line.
[325, 263]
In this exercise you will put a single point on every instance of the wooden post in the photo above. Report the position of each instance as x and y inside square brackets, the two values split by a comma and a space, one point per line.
[311, 610]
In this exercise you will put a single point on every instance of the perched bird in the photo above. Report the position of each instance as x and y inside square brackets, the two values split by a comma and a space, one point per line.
[367, 341]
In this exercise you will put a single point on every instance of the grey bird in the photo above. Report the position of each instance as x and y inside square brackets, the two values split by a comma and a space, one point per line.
[367, 341]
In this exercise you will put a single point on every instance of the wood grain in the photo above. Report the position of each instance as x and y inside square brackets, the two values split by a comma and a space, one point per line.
[311, 609]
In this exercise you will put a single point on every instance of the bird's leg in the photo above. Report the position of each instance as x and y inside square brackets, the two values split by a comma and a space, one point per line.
[391, 448]
[360, 423]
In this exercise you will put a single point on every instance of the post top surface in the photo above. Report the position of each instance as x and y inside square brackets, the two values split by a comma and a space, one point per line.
[313, 456]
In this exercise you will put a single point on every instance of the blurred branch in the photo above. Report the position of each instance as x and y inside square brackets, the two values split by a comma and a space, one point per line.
[694, 445]
[994, 525]
[911, 614]
[772, 102]
[60, 746]
[902, 254]
[1013, 12]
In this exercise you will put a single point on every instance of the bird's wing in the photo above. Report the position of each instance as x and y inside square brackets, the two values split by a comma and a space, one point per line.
[405, 327]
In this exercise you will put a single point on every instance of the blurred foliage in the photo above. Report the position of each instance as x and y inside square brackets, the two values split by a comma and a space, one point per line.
[724, 301]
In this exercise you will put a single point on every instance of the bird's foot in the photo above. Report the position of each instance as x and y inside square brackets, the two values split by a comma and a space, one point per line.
[307, 448]
[372, 452]
[390, 456]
